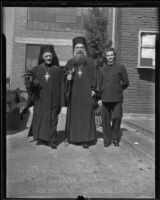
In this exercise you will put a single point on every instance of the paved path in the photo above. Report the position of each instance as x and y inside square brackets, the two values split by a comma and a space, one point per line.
[41, 172]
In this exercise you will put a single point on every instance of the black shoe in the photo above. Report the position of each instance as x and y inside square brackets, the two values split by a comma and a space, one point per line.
[107, 144]
[47, 143]
[85, 145]
[39, 142]
[53, 146]
[53, 143]
[116, 143]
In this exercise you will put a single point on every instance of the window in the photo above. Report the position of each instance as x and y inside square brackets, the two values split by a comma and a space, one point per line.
[32, 54]
[55, 18]
[64, 53]
[146, 56]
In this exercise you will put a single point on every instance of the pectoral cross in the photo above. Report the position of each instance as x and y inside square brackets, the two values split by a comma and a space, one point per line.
[47, 76]
[80, 71]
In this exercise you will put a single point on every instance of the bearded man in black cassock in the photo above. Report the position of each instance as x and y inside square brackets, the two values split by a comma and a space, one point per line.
[80, 87]
[44, 93]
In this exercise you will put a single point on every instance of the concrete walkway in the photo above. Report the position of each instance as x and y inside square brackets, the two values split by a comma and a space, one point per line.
[71, 171]
[141, 136]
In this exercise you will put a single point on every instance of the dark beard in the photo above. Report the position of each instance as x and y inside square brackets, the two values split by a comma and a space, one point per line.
[79, 59]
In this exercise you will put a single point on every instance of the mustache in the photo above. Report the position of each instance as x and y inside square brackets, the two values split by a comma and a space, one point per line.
[49, 60]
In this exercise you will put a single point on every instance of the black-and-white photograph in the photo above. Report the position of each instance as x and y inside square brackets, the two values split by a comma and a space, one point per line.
[80, 101]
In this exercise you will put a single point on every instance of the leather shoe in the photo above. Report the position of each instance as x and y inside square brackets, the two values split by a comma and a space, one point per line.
[39, 142]
[107, 145]
[116, 143]
[53, 146]
[85, 145]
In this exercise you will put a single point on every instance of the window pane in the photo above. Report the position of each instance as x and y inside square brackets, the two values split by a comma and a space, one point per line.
[148, 53]
[32, 53]
[147, 48]
[147, 57]
[148, 39]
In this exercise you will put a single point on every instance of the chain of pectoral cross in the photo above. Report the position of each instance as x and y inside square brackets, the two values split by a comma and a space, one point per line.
[46, 74]
[80, 71]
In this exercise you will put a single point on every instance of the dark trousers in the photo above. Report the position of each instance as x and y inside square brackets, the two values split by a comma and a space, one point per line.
[111, 121]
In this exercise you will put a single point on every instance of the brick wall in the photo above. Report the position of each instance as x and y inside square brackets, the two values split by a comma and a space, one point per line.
[140, 96]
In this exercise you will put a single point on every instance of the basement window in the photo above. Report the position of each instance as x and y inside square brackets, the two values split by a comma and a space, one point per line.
[146, 55]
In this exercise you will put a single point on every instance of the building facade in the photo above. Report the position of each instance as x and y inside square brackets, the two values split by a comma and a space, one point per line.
[132, 31]
[136, 30]
[26, 29]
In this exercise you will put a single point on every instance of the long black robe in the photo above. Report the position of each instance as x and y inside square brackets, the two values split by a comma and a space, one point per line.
[80, 121]
[46, 98]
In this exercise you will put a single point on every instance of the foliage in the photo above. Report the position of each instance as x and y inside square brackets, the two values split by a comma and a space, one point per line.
[96, 34]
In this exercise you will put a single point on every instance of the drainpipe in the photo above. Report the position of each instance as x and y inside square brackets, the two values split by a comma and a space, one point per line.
[113, 26]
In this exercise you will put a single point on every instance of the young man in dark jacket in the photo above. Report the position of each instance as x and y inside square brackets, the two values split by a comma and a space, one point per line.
[113, 80]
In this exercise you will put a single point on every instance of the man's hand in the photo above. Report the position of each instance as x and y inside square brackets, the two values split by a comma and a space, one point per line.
[93, 93]
[22, 112]
[69, 77]
[64, 110]
[100, 102]
[36, 82]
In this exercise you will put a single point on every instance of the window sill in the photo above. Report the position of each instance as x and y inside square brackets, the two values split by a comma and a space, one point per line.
[145, 67]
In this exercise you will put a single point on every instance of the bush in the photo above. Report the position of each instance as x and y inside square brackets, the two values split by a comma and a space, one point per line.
[96, 35]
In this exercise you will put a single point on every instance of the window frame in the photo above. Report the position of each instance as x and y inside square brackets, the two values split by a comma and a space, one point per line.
[140, 47]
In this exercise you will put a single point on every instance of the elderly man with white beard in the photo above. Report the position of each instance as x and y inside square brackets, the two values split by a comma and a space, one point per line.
[80, 91]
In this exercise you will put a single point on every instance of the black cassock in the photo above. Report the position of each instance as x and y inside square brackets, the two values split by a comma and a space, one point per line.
[46, 99]
[80, 121]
